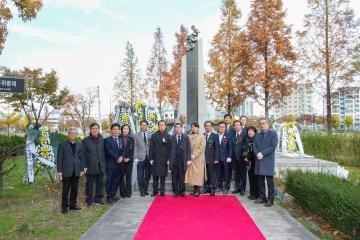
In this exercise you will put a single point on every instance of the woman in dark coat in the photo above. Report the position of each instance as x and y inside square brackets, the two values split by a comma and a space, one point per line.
[128, 145]
[159, 155]
[249, 158]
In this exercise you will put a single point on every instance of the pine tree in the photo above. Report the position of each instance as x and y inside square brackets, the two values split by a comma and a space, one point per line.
[327, 41]
[128, 83]
[229, 82]
[274, 56]
[156, 69]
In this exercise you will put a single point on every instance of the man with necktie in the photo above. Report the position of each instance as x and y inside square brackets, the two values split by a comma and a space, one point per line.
[180, 158]
[141, 157]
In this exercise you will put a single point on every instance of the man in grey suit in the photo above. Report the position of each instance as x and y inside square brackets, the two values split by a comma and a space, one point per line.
[69, 168]
[141, 157]
[264, 148]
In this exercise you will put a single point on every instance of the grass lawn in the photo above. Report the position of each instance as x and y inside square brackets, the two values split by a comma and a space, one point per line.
[33, 211]
[354, 173]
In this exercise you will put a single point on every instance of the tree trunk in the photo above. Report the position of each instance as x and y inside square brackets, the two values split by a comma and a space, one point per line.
[327, 70]
[229, 104]
[266, 103]
[1, 175]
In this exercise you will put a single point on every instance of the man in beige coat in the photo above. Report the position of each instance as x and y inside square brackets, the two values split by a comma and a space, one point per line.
[195, 173]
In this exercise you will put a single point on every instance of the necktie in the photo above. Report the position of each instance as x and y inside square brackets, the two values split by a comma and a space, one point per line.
[145, 138]
[237, 136]
[179, 139]
[117, 141]
[207, 137]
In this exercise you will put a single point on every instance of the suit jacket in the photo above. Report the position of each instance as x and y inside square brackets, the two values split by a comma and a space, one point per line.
[225, 148]
[129, 148]
[113, 152]
[68, 163]
[230, 129]
[185, 148]
[140, 148]
[93, 155]
[212, 148]
[237, 145]
[266, 144]
[186, 127]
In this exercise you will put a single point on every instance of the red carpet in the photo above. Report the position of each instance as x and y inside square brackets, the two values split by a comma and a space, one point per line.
[205, 217]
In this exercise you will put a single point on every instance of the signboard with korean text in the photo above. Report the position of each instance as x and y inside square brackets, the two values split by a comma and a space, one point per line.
[12, 85]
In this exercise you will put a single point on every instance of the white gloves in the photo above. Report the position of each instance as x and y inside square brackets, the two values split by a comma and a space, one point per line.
[151, 162]
[192, 157]
[188, 163]
[259, 156]
[228, 160]
[136, 160]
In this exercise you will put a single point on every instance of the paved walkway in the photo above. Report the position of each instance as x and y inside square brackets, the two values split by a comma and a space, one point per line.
[123, 219]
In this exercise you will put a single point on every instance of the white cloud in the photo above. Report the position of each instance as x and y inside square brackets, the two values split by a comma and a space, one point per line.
[50, 35]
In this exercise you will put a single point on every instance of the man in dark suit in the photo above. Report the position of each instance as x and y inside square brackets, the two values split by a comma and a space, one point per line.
[225, 153]
[228, 125]
[239, 166]
[180, 158]
[264, 148]
[93, 156]
[114, 155]
[69, 168]
[211, 158]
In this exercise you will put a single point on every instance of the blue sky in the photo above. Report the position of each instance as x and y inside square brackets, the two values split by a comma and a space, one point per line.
[84, 40]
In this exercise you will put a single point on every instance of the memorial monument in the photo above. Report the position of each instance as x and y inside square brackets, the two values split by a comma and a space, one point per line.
[192, 87]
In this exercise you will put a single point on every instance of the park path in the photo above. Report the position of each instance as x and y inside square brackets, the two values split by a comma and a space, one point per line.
[123, 219]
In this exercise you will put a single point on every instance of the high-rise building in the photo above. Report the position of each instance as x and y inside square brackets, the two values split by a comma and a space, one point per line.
[346, 103]
[246, 108]
[300, 102]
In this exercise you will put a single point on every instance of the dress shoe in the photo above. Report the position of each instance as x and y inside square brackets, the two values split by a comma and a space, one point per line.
[242, 193]
[259, 201]
[175, 195]
[128, 196]
[182, 194]
[75, 207]
[99, 203]
[205, 191]
[235, 191]
[142, 194]
[162, 194]
[269, 203]
[226, 192]
[154, 194]
[110, 201]
[146, 193]
[252, 197]
[116, 199]
[64, 210]
[212, 193]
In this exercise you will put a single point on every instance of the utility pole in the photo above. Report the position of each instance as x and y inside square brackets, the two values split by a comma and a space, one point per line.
[98, 95]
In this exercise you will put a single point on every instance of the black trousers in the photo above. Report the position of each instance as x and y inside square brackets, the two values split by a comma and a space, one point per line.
[253, 181]
[240, 174]
[125, 183]
[178, 176]
[108, 182]
[69, 184]
[117, 176]
[143, 175]
[224, 175]
[270, 185]
[156, 184]
[212, 175]
[90, 180]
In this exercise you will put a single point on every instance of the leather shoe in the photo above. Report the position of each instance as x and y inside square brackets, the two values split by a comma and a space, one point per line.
[269, 203]
[182, 194]
[242, 193]
[259, 200]
[146, 193]
[235, 191]
[162, 194]
[154, 194]
[142, 194]
[251, 198]
[175, 195]
[64, 210]
[205, 191]
[75, 207]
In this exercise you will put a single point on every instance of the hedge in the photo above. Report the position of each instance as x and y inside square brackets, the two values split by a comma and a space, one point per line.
[343, 148]
[335, 200]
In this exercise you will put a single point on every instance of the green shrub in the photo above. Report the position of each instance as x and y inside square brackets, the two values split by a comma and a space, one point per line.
[335, 200]
[343, 148]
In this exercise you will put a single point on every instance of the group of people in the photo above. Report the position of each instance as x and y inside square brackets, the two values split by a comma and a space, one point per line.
[206, 161]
